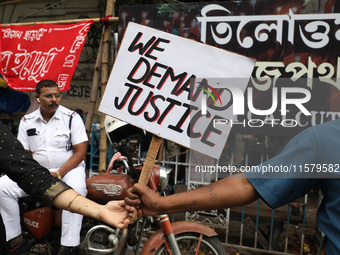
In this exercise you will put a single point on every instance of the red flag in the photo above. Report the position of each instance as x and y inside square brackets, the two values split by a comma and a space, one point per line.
[30, 54]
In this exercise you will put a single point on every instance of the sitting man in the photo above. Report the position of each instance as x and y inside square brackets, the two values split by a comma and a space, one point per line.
[57, 138]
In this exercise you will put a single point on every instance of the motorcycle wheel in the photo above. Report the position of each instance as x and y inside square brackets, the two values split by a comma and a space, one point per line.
[188, 242]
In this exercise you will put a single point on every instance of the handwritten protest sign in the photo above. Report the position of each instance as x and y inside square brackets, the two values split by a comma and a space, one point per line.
[176, 88]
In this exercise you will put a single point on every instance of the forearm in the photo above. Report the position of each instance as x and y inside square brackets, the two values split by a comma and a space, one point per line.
[113, 213]
[70, 164]
[225, 193]
[66, 200]
[78, 156]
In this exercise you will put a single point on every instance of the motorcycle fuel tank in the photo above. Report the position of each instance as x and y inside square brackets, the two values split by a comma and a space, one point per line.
[106, 187]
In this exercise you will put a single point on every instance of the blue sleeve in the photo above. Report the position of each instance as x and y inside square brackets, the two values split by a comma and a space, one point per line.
[279, 180]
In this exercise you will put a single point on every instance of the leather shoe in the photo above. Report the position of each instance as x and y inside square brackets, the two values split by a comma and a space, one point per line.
[18, 249]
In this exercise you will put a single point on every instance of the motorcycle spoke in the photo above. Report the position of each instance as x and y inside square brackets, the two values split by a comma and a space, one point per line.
[190, 247]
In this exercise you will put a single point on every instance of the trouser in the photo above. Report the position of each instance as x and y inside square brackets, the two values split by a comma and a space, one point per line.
[10, 192]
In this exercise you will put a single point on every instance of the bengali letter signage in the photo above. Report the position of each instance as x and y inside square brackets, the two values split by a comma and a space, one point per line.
[295, 46]
[33, 53]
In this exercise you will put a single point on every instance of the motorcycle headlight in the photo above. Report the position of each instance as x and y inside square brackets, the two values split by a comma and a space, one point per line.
[163, 178]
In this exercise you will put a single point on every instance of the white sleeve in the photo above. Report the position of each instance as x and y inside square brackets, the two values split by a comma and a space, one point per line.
[78, 132]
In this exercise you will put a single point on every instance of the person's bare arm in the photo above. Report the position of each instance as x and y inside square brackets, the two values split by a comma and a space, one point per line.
[79, 151]
[225, 193]
[113, 213]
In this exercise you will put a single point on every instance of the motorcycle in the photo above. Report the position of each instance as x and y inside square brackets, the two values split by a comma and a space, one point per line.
[149, 235]
[182, 237]
[41, 226]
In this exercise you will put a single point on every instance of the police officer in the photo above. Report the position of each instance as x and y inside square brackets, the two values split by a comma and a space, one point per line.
[57, 138]
[35, 180]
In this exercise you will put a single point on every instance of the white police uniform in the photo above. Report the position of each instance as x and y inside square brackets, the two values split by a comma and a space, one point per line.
[48, 142]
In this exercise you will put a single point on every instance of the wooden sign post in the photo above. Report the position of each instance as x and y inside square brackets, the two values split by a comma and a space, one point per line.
[150, 160]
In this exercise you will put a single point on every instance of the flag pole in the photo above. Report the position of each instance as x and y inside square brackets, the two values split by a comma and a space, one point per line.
[60, 22]
[104, 78]
[94, 88]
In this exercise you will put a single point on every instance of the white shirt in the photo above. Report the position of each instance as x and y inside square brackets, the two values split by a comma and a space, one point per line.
[47, 140]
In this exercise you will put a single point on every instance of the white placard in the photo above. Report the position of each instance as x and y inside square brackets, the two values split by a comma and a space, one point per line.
[174, 87]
